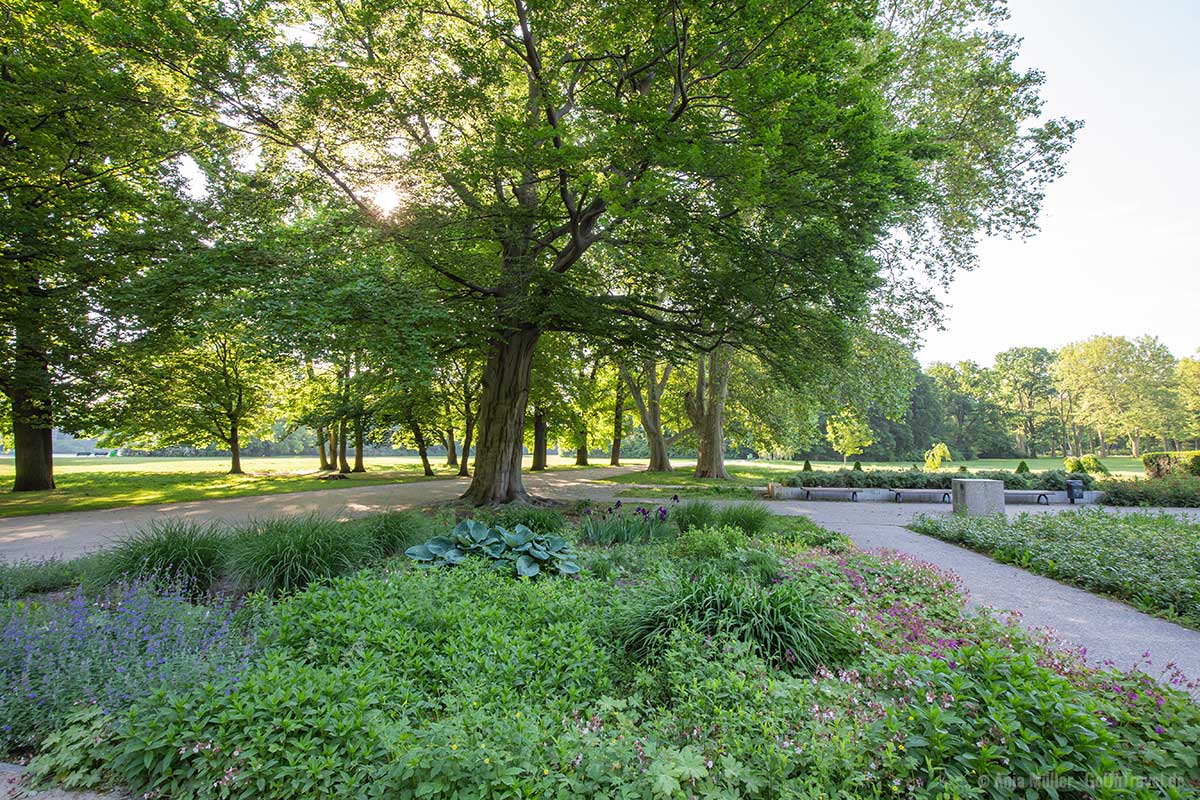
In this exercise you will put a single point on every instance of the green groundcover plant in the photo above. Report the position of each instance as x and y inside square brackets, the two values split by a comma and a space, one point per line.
[1149, 560]
[776, 670]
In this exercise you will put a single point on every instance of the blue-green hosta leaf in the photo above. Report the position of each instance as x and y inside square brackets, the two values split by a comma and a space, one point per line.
[513, 539]
[438, 545]
[419, 552]
[556, 543]
[567, 567]
[495, 549]
[527, 567]
[478, 531]
[537, 552]
[454, 556]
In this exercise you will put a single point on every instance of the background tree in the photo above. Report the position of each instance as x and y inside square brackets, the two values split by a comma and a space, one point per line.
[1025, 384]
[848, 433]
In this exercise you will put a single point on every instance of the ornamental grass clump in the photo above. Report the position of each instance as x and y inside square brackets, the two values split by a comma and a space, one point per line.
[694, 514]
[787, 623]
[538, 519]
[750, 518]
[190, 551]
[283, 555]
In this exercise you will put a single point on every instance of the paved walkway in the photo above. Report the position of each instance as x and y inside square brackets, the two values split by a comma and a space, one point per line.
[74, 533]
[1108, 629]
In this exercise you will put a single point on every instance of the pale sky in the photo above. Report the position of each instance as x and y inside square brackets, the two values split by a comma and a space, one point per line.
[1119, 249]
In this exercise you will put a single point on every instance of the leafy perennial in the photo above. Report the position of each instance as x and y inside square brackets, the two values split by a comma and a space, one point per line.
[526, 552]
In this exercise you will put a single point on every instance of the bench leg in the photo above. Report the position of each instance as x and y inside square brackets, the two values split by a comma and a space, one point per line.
[1045, 497]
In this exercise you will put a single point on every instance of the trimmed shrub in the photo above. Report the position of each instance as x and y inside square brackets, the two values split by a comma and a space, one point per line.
[858, 466]
[1022, 468]
[180, 549]
[1173, 491]
[1073, 464]
[807, 466]
[1093, 465]
[916, 479]
[1160, 465]
[750, 518]
[709, 543]
[786, 624]
[284, 555]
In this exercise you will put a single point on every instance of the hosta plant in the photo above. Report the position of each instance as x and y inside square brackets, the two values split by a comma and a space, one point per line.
[528, 554]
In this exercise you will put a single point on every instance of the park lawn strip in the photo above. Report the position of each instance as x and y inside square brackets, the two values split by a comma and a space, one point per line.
[1151, 561]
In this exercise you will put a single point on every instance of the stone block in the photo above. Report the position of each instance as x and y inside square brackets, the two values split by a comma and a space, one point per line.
[976, 497]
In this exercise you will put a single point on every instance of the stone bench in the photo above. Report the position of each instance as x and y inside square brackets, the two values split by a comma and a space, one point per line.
[901, 494]
[1039, 496]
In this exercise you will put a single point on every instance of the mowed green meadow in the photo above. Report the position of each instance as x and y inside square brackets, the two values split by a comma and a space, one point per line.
[90, 483]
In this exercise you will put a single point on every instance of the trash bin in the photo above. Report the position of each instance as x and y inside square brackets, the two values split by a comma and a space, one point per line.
[1074, 491]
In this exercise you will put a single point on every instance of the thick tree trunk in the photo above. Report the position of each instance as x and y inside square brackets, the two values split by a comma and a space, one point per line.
[614, 458]
[539, 441]
[581, 447]
[451, 450]
[343, 464]
[333, 446]
[33, 444]
[498, 453]
[321, 444]
[468, 434]
[32, 415]
[422, 450]
[706, 408]
[359, 466]
[235, 450]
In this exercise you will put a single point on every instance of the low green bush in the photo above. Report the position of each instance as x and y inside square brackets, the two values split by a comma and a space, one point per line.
[788, 624]
[919, 479]
[791, 533]
[1093, 466]
[1151, 561]
[286, 554]
[807, 466]
[857, 466]
[539, 519]
[750, 518]
[1160, 465]
[521, 551]
[19, 578]
[1022, 468]
[1173, 491]
[180, 549]
[1073, 464]
[707, 543]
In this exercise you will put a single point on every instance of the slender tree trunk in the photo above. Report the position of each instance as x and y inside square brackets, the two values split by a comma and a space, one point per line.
[235, 450]
[501, 422]
[706, 408]
[581, 446]
[1103, 444]
[539, 441]
[358, 446]
[649, 408]
[614, 458]
[321, 442]
[422, 450]
[451, 451]
[468, 434]
[333, 445]
[343, 464]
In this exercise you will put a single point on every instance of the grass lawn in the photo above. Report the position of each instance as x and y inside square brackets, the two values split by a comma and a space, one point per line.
[87, 484]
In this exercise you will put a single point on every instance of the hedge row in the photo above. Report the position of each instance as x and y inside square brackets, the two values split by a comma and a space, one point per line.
[1160, 465]
[1052, 480]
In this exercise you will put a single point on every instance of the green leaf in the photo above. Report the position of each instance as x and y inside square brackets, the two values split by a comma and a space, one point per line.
[527, 567]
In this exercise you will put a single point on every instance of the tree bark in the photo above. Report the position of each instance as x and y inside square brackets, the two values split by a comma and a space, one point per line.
[359, 466]
[32, 414]
[539, 441]
[581, 446]
[422, 450]
[501, 422]
[649, 408]
[343, 464]
[321, 442]
[235, 450]
[468, 434]
[614, 458]
[706, 409]
[451, 451]
[333, 445]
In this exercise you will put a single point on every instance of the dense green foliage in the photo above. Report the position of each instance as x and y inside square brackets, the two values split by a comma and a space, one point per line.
[1174, 491]
[425, 683]
[186, 551]
[520, 550]
[1051, 480]
[1149, 560]
[1160, 465]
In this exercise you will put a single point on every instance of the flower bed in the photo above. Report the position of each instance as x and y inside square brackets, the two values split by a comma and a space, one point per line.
[788, 672]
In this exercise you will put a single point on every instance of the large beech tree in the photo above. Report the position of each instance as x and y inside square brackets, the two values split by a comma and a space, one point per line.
[705, 173]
